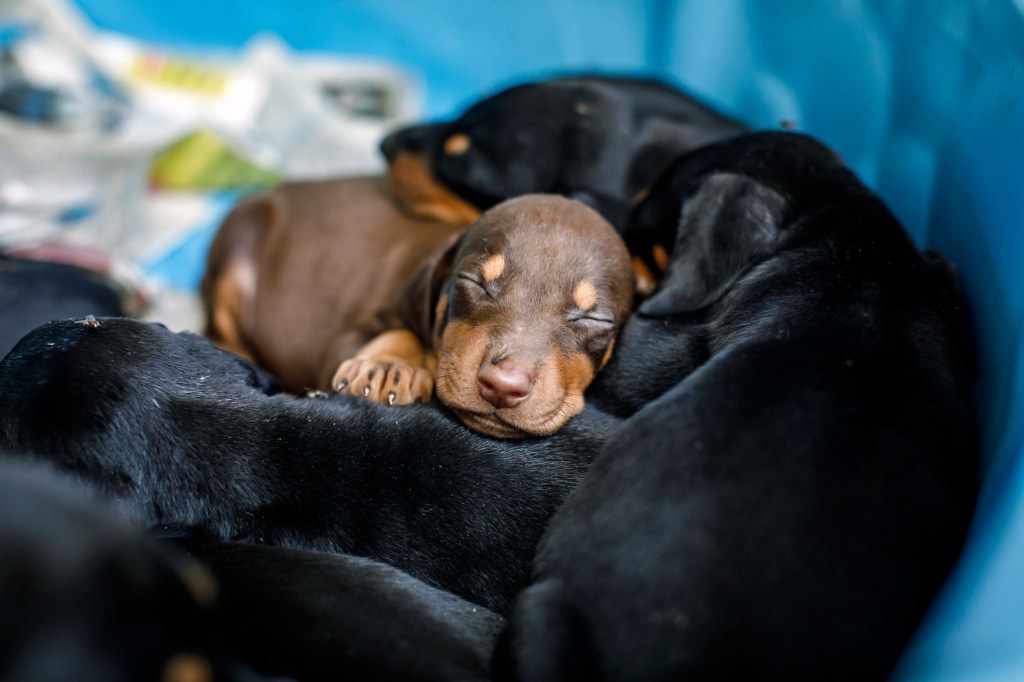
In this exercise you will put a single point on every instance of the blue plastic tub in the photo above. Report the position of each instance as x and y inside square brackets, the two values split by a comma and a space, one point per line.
[924, 98]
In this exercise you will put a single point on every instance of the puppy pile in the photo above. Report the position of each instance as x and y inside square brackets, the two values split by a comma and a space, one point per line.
[772, 473]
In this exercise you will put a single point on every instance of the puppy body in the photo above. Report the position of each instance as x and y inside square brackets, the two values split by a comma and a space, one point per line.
[180, 434]
[302, 278]
[316, 616]
[517, 316]
[84, 596]
[87, 597]
[789, 509]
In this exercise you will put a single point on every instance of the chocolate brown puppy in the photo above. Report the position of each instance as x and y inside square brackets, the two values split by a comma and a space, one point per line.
[515, 320]
[516, 316]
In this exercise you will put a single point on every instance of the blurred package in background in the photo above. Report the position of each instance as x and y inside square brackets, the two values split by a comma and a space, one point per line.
[136, 153]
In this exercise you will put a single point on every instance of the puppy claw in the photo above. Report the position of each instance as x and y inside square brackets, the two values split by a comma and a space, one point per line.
[392, 397]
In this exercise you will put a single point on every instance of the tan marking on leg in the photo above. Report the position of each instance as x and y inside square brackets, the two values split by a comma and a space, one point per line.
[493, 267]
[187, 667]
[645, 280]
[585, 295]
[638, 197]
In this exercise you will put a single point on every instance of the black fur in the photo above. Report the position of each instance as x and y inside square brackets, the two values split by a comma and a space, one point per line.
[319, 616]
[599, 139]
[34, 292]
[183, 435]
[791, 507]
[85, 597]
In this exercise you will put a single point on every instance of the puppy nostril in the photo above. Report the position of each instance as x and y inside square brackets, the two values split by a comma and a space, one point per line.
[504, 384]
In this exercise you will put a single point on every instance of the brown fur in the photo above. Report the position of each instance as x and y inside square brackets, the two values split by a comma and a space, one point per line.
[329, 286]
[298, 279]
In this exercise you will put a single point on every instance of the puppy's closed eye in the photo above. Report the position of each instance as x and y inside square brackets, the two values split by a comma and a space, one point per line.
[474, 283]
[596, 321]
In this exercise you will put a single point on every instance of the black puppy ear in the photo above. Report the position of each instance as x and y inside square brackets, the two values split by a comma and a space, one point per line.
[419, 309]
[610, 208]
[729, 223]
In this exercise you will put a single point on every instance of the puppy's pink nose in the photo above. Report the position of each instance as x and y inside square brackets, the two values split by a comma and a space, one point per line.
[504, 384]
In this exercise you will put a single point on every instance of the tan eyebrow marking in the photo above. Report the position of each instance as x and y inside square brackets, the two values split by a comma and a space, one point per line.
[457, 144]
[493, 267]
[585, 295]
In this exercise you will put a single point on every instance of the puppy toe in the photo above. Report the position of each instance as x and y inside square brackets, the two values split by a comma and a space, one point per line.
[406, 384]
[369, 381]
[344, 376]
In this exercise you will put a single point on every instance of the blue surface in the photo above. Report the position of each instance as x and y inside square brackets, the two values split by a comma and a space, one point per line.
[925, 99]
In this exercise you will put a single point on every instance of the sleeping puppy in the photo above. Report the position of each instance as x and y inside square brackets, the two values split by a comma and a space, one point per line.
[515, 316]
[791, 507]
[515, 319]
[180, 434]
[596, 138]
[316, 616]
[83, 596]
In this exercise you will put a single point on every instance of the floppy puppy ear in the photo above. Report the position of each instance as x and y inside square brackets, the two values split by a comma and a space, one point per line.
[726, 225]
[424, 300]
[611, 209]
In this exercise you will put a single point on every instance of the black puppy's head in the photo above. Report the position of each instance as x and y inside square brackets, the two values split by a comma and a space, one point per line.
[719, 210]
[66, 379]
[573, 136]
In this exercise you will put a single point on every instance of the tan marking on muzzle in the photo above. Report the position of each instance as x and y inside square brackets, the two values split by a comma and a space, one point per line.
[423, 196]
[607, 355]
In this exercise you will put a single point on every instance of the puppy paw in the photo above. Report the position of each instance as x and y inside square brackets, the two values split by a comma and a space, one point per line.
[391, 383]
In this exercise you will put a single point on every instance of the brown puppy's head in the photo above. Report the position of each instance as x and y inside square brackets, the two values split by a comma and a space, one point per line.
[538, 289]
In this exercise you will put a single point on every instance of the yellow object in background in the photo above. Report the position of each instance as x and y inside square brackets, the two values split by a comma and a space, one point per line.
[204, 161]
[178, 74]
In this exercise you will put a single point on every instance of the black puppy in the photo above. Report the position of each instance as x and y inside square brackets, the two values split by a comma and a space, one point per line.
[85, 597]
[317, 616]
[790, 509]
[599, 139]
[184, 435]
[34, 292]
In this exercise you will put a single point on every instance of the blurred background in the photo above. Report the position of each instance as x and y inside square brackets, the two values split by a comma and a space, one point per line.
[128, 129]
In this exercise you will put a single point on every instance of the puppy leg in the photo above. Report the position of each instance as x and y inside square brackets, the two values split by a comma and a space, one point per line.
[394, 368]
